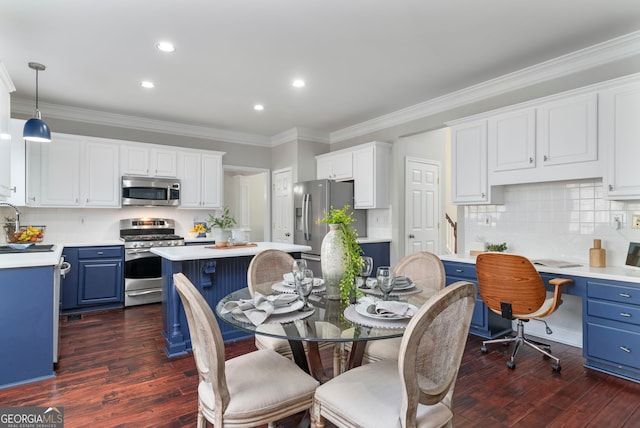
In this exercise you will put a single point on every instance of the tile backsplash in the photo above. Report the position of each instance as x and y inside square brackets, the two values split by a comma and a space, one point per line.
[554, 220]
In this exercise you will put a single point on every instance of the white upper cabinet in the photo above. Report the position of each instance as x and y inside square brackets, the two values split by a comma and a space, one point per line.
[6, 87]
[200, 174]
[371, 175]
[148, 160]
[335, 166]
[469, 184]
[512, 140]
[619, 121]
[73, 171]
[567, 130]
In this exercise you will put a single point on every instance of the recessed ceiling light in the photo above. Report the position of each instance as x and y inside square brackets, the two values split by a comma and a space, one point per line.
[298, 83]
[147, 84]
[166, 47]
[258, 107]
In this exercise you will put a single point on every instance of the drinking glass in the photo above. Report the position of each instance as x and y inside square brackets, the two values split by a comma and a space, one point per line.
[298, 265]
[365, 271]
[386, 280]
[304, 285]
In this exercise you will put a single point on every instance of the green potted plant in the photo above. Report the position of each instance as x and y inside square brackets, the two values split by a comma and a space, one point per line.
[221, 226]
[341, 255]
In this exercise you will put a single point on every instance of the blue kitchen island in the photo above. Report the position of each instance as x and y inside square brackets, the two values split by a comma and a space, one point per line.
[215, 272]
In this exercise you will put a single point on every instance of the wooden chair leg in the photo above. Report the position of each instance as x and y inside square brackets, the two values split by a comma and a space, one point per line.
[317, 421]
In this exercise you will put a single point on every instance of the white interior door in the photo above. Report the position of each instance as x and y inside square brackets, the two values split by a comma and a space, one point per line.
[422, 205]
[282, 197]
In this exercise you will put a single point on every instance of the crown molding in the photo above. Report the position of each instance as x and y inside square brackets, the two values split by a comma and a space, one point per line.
[138, 123]
[584, 59]
[295, 134]
[5, 79]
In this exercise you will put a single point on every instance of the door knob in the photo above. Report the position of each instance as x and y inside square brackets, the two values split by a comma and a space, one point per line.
[411, 236]
[287, 234]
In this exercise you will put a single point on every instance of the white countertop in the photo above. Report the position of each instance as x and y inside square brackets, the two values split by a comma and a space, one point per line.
[22, 260]
[614, 273]
[366, 240]
[198, 252]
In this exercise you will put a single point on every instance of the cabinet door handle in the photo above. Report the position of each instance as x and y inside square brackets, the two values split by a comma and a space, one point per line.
[626, 295]
[624, 314]
[482, 194]
[610, 187]
[546, 158]
[530, 160]
[625, 349]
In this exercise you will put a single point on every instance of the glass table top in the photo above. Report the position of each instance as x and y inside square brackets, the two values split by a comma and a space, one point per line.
[327, 323]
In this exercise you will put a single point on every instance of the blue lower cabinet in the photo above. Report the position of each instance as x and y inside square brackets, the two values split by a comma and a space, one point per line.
[611, 328]
[484, 322]
[96, 279]
[26, 316]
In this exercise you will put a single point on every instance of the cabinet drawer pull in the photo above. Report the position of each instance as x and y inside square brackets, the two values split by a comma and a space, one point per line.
[625, 349]
[624, 314]
[100, 253]
[627, 295]
[459, 270]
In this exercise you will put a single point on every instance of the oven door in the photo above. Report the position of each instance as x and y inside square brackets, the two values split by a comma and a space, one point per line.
[142, 277]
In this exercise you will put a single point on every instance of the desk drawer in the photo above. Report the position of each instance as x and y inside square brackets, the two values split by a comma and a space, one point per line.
[621, 313]
[462, 270]
[613, 344]
[616, 293]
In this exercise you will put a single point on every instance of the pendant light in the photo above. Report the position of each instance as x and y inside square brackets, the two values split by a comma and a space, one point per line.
[35, 129]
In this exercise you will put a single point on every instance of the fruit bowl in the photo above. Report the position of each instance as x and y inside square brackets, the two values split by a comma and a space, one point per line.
[26, 235]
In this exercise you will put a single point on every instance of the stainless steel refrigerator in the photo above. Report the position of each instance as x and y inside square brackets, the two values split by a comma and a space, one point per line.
[311, 199]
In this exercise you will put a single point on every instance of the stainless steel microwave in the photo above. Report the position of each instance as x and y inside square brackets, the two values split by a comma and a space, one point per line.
[150, 191]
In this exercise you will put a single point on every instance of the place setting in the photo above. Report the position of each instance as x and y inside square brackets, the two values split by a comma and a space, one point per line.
[386, 285]
[372, 312]
[271, 309]
[288, 283]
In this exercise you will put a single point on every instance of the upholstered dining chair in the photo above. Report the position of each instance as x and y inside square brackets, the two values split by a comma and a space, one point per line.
[265, 268]
[511, 286]
[417, 389]
[424, 269]
[250, 390]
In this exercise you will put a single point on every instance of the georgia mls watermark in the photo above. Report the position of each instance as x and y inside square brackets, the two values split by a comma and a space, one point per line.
[31, 417]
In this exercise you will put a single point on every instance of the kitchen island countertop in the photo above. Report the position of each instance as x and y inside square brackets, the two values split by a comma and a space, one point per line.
[200, 252]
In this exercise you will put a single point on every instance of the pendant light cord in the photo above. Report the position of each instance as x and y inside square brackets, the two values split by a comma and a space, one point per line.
[36, 89]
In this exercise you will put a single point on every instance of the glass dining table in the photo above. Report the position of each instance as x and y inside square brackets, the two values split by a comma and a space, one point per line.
[330, 321]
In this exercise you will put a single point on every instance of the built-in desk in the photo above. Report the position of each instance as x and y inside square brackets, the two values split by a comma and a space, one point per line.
[610, 312]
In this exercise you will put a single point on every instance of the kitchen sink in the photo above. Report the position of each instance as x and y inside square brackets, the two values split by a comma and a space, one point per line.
[5, 249]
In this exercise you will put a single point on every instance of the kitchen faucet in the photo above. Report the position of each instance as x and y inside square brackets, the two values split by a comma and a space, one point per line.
[17, 213]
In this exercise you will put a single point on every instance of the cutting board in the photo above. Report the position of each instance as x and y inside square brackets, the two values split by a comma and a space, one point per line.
[235, 247]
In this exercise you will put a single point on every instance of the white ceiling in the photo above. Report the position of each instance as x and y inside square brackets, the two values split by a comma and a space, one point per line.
[361, 59]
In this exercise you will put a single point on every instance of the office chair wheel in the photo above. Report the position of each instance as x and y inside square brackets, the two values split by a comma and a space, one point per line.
[511, 365]
[556, 367]
[484, 350]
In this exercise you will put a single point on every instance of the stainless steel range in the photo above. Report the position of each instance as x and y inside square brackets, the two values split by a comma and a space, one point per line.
[142, 268]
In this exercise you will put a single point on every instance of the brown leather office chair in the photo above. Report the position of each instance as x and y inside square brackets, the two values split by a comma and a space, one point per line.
[511, 286]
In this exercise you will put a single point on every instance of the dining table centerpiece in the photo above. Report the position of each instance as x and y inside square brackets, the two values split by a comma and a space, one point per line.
[221, 226]
[340, 254]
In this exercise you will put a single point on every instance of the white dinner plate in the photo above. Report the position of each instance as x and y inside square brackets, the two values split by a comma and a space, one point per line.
[361, 308]
[317, 282]
[291, 307]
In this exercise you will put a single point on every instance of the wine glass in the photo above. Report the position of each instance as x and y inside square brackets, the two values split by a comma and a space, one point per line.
[304, 285]
[366, 269]
[386, 280]
[298, 265]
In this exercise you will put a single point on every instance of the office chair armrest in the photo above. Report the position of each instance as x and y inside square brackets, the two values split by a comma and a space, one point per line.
[557, 292]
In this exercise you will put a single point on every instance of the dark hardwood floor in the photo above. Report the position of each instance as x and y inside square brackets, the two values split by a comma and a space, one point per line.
[113, 373]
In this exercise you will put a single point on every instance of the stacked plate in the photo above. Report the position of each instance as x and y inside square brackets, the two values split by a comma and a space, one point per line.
[403, 283]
